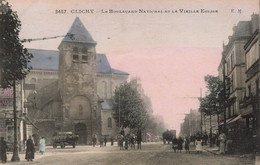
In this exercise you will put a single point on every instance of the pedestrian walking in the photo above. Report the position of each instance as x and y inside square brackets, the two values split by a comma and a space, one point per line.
[187, 144]
[101, 141]
[132, 141]
[120, 141]
[42, 145]
[222, 140]
[126, 139]
[180, 144]
[139, 139]
[206, 138]
[3, 149]
[105, 141]
[29, 155]
[174, 144]
[94, 140]
[198, 144]
[112, 140]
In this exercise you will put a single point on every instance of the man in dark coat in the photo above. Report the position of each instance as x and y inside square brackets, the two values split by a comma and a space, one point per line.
[3, 148]
[94, 140]
[174, 144]
[180, 142]
[29, 155]
[139, 139]
[101, 140]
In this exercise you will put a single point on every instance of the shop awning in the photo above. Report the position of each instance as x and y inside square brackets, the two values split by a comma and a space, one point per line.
[221, 123]
[235, 119]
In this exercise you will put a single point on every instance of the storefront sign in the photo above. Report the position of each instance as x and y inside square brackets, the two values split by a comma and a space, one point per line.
[6, 93]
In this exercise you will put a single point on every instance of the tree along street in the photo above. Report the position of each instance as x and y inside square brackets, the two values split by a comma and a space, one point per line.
[151, 154]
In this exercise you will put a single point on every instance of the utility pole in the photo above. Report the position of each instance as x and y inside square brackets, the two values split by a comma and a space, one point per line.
[119, 112]
[201, 114]
[15, 157]
[224, 93]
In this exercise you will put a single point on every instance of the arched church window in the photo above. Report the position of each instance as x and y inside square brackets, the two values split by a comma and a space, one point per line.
[109, 122]
[67, 113]
[80, 110]
[75, 55]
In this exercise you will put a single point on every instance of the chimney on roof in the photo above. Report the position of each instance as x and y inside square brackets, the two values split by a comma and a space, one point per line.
[234, 29]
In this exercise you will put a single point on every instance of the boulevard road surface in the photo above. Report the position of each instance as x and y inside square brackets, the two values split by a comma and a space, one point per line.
[151, 154]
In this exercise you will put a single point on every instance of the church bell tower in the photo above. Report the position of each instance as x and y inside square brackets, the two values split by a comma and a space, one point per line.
[77, 83]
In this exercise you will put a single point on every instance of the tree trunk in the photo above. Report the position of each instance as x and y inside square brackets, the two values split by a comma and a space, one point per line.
[210, 134]
[15, 157]
[218, 123]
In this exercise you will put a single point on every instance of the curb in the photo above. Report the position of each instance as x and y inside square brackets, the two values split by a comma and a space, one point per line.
[211, 152]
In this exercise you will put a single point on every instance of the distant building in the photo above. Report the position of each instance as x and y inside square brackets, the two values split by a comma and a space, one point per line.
[71, 89]
[191, 124]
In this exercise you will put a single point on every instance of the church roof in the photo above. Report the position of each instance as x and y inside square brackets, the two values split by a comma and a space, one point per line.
[79, 32]
[44, 59]
[49, 60]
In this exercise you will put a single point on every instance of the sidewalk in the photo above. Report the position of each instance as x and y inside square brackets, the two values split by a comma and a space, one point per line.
[257, 160]
[213, 150]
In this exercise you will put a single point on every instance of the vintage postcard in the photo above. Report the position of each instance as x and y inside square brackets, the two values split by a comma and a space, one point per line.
[134, 82]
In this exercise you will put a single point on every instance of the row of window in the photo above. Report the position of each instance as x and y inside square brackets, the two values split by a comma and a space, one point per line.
[78, 58]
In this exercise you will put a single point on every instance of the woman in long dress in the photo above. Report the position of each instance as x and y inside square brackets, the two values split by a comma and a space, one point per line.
[186, 145]
[3, 148]
[198, 145]
[42, 145]
[222, 140]
[29, 156]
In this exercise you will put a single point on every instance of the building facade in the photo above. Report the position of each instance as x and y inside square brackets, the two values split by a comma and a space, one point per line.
[238, 69]
[71, 89]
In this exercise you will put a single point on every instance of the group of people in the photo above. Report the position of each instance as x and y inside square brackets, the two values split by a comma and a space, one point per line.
[177, 144]
[129, 141]
[30, 149]
[102, 141]
[124, 141]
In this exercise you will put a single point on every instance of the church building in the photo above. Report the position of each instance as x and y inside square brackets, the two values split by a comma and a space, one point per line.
[71, 89]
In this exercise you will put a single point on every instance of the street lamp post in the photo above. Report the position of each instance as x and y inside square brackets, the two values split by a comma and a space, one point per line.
[119, 112]
[15, 157]
[201, 114]
[224, 94]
